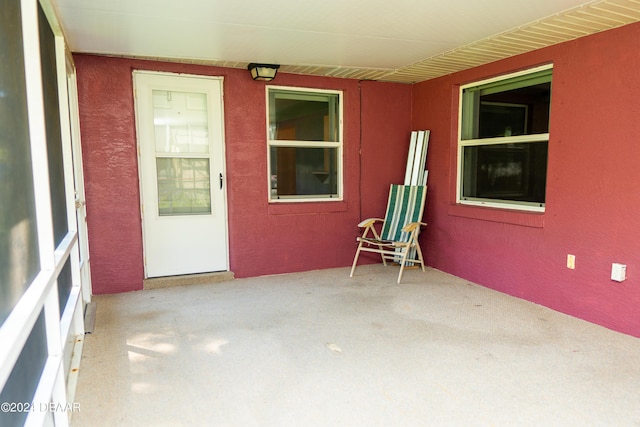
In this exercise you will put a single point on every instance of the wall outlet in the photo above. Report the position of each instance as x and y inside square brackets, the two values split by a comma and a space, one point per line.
[618, 272]
[571, 262]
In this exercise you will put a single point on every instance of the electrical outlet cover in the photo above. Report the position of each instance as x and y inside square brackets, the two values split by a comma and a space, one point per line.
[618, 272]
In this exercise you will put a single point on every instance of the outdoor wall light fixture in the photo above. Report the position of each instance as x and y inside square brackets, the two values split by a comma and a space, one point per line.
[265, 72]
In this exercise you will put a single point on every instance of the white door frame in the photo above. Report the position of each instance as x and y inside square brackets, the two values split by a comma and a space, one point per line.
[78, 174]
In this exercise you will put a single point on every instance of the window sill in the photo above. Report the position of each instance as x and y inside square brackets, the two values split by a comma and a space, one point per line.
[297, 208]
[525, 219]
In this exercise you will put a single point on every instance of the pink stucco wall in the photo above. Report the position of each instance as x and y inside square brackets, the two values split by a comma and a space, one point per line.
[386, 122]
[263, 238]
[592, 184]
[593, 192]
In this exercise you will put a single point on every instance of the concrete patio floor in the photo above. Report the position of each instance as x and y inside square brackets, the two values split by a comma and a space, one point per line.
[321, 349]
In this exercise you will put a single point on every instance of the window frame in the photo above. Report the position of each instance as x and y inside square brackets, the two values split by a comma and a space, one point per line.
[462, 143]
[339, 145]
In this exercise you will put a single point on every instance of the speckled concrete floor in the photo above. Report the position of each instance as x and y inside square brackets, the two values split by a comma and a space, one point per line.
[320, 349]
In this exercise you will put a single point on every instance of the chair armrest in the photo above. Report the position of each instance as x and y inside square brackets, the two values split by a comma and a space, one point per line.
[412, 226]
[369, 222]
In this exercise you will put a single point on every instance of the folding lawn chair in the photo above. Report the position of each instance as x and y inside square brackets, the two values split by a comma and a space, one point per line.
[398, 239]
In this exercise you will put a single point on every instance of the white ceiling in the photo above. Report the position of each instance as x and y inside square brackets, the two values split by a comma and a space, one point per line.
[398, 40]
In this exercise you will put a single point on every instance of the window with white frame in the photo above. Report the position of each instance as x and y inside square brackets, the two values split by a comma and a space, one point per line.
[503, 140]
[304, 136]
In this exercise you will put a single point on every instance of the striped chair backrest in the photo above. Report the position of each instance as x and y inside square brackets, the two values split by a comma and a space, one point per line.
[406, 205]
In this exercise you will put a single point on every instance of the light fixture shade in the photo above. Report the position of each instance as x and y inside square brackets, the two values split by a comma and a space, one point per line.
[265, 72]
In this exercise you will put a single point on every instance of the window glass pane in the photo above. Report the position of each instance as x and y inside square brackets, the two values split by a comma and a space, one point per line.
[304, 171]
[511, 107]
[183, 186]
[506, 168]
[302, 116]
[64, 285]
[25, 376]
[515, 172]
[53, 128]
[180, 120]
[19, 259]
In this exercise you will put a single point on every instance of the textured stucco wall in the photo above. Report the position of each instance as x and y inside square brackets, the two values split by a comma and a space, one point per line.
[593, 193]
[263, 238]
[592, 184]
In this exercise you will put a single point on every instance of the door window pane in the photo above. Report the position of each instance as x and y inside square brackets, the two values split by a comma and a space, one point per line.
[183, 186]
[180, 122]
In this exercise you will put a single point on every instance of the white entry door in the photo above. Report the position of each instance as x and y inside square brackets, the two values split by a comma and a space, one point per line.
[181, 146]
